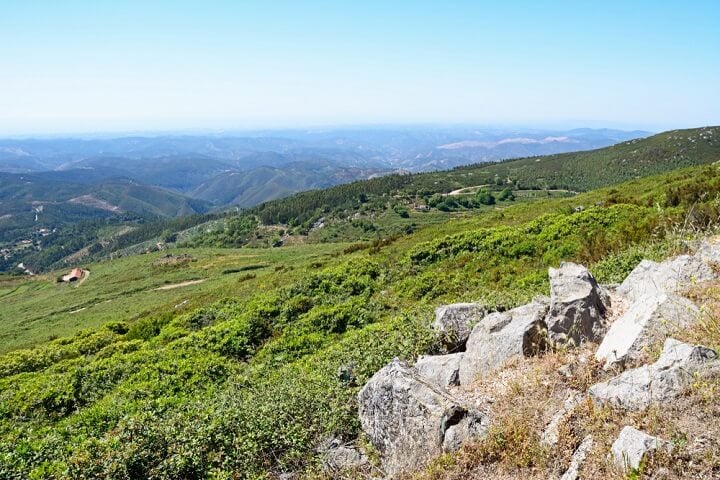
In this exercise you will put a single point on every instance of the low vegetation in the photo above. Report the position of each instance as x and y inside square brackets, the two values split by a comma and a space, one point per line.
[239, 379]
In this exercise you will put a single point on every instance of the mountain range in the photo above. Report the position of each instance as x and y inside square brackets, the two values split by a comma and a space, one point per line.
[261, 166]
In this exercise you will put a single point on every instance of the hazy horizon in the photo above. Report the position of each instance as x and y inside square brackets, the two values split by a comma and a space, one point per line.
[279, 130]
[78, 68]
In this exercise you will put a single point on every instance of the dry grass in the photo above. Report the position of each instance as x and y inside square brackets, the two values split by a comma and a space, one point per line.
[522, 399]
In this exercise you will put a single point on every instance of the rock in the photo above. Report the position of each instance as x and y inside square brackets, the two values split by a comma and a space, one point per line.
[550, 435]
[503, 336]
[455, 322]
[647, 321]
[340, 457]
[709, 252]
[662, 381]
[670, 276]
[407, 418]
[632, 445]
[442, 370]
[577, 305]
[573, 471]
[472, 425]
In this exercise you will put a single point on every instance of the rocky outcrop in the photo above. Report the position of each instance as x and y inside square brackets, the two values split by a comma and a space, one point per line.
[503, 336]
[413, 414]
[442, 370]
[455, 322]
[671, 276]
[573, 471]
[647, 321]
[632, 445]
[662, 381]
[410, 420]
[577, 305]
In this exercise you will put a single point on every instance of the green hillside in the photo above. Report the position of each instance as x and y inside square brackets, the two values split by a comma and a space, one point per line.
[242, 380]
[361, 209]
[262, 184]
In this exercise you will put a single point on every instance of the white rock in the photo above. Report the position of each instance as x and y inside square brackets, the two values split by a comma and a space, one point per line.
[442, 370]
[647, 321]
[340, 457]
[455, 322]
[550, 435]
[504, 336]
[671, 276]
[577, 305]
[407, 418]
[662, 381]
[573, 471]
[709, 252]
[632, 445]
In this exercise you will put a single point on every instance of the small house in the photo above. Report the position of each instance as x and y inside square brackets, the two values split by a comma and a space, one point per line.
[75, 274]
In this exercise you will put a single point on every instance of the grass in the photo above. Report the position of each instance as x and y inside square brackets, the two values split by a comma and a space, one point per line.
[36, 310]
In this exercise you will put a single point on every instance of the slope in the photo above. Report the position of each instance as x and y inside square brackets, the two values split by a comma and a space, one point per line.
[247, 386]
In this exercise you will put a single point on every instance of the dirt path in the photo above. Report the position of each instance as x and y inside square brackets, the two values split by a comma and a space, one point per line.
[461, 191]
[468, 190]
[182, 284]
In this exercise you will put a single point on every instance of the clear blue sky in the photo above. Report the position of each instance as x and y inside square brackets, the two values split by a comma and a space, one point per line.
[71, 66]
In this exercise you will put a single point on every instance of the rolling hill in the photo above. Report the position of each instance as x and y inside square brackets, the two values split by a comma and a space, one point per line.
[262, 184]
[579, 171]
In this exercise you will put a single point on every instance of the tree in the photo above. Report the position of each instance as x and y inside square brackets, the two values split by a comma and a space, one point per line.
[485, 197]
[506, 194]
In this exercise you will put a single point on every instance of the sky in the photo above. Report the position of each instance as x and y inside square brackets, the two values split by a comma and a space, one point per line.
[105, 65]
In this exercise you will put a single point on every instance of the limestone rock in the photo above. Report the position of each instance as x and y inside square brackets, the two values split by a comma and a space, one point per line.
[442, 370]
[407, 418]
[503, 336]
[662, 381]
[573, 471]
[455, 322]
[671, 276]
[632, 445]
[647, 320]
[577, 305]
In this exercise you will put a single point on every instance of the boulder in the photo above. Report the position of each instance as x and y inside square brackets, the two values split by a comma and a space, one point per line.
[573, 471]
[647, 321]
[671, 276]
[503, 336]
[660, 382]
[442, 370]
[455, 322]
[632, 445]
[577, 305]
[410, 420]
